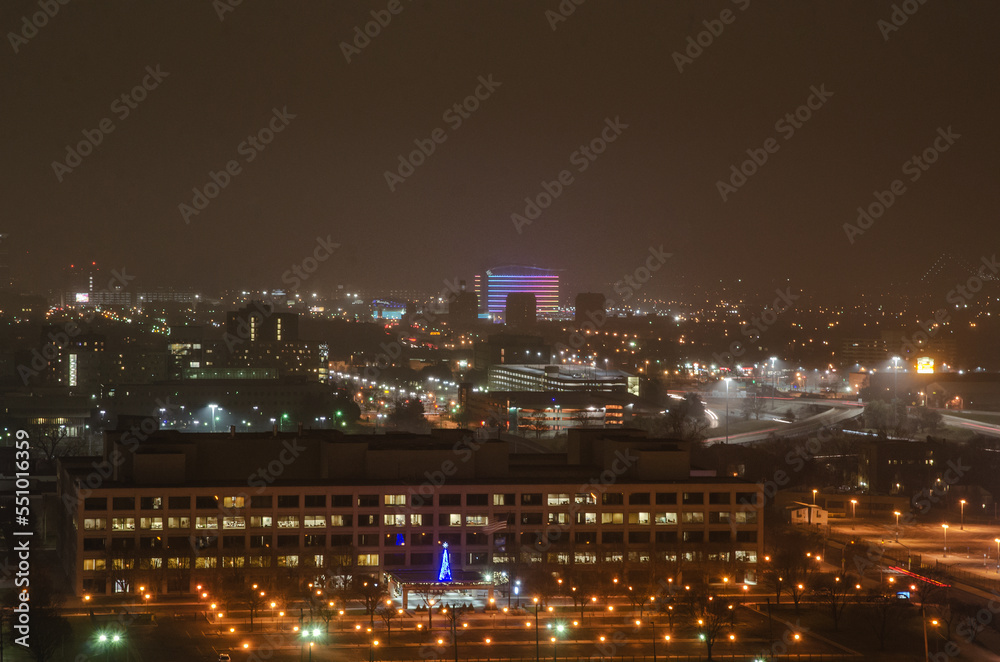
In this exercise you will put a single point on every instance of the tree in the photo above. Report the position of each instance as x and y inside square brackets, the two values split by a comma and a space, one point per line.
[715, 615]
[929, 419]
[754, 406]
[453, 614]
[326, 612]
[408, 415]
[686, 418]
[371, 593]
[789, 567]
[834, 591]
[386, 611]
[49, 631]
[577, 586]
[52, 442]
[584, 418]
[428, 599]
[254, 597]
[774, 579]
[536, 422]
[878, 416]
[883, 613]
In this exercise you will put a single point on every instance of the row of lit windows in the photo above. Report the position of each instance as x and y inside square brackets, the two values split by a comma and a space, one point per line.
[444, 519]
[418, 500]
[415, 558]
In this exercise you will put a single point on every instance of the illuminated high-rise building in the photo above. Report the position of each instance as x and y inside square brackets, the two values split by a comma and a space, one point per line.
[543, 283]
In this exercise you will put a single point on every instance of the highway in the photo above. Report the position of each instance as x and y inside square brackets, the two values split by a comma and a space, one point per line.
[837, 413]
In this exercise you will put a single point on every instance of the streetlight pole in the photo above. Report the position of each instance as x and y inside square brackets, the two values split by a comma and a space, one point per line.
[961, 526]
[727, 410]
[652, 629]
[774, 381]
[537, 646]
[854, 514]
[213, 408]
[897, 514]
[814, 496]
[895, 377]
[997, 541]
[945, 527]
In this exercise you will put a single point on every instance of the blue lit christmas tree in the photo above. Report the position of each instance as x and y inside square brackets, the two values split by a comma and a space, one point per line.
[444, 573]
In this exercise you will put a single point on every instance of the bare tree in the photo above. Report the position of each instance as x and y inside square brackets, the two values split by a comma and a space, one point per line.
[371, 593]
[754, 407]
[537, 423]
[387, 612]
[834, 591]
[52, 442]
[454, 614]
[49, 631]
[715, 615]
[883, 612]
[584, 418]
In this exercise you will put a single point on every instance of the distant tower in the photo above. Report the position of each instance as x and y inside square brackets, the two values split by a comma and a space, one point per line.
[521, 309]
[444, 572]
[464, 310]
[5, 280]
[479, 287]
[589, 306]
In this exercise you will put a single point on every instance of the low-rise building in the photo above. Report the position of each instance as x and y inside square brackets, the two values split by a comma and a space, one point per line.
[171, 510]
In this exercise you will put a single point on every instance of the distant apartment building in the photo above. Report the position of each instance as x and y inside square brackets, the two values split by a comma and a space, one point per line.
[180, 510]
[463, 310]
[520, 310]
[590, 307]
[81, 360]
[258, 337]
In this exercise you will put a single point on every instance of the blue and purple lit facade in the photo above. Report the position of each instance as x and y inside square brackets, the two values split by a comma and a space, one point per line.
[543, 283]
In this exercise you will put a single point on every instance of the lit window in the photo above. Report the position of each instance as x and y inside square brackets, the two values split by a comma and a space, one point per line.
[233, 523]
[394, 520]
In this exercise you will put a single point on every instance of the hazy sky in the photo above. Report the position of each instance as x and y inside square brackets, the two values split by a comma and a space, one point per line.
[883, 96]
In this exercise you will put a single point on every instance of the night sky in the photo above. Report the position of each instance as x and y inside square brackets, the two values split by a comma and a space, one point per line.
[656, 183]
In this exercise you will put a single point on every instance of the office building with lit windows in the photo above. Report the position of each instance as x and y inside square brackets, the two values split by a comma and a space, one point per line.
[176, 509]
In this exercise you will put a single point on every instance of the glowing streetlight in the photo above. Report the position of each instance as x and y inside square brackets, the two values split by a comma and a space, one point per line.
[961, 526]
[945, 527]
[854, 513]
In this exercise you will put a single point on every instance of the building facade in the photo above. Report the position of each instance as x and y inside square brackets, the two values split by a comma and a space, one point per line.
[176, 510]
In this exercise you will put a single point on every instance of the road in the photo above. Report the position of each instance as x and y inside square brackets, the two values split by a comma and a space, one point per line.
[837, 414]
[966, 424]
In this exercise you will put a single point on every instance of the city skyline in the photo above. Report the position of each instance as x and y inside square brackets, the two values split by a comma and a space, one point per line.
[391, 330]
